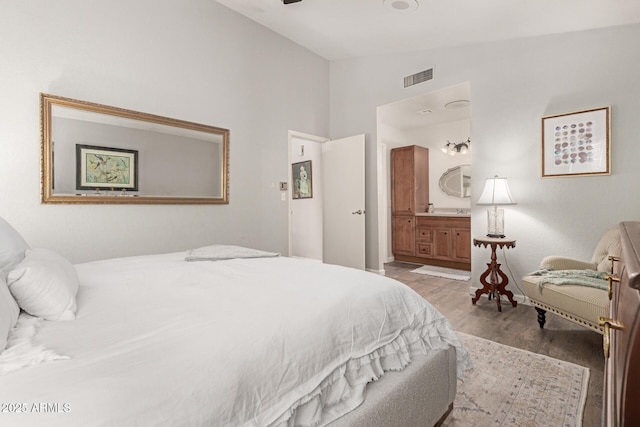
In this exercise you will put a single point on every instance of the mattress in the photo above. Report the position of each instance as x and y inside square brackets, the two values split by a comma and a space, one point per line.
[240, 342]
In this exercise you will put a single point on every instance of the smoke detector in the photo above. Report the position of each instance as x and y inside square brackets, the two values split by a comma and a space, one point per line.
[401, 5]
[458, 104]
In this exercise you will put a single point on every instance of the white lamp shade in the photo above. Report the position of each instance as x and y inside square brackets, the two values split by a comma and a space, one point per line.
[496, 192]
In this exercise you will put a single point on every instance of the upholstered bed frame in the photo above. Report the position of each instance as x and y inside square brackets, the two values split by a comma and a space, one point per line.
[421, 395]
[388, 333]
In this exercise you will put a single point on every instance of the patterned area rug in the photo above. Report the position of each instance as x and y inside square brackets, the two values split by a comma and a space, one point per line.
[448, 273]
[513, 387]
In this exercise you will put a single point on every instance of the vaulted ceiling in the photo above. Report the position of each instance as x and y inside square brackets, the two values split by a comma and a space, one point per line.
[341, 29]
[338, 29]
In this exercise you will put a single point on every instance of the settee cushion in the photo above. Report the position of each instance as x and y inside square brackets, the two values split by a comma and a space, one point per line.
[609, 244]
[581, 304]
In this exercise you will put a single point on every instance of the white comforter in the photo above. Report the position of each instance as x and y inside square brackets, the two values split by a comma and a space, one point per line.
[244, 342]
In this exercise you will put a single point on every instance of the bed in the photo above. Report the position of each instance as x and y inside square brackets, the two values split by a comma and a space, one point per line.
[217, 336]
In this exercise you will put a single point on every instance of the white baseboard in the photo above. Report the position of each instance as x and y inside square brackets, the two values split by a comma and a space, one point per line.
[380, 272]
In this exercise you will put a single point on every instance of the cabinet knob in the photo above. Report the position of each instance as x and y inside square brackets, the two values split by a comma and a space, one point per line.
[608, 324]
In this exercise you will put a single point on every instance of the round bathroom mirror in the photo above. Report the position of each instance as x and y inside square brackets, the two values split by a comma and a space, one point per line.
[456, 181]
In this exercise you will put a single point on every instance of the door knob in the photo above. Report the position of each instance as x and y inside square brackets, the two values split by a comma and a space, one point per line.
[358, 212]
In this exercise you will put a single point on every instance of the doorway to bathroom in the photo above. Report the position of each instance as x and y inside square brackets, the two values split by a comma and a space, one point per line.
[430, 120]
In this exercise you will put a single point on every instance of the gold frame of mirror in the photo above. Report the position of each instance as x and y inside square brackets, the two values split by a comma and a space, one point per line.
[47, 102]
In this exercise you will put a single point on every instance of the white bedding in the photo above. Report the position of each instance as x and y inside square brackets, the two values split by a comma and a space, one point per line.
[225, 252]
[245, 342]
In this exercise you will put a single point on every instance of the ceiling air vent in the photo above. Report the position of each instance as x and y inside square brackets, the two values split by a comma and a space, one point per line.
[420, 77]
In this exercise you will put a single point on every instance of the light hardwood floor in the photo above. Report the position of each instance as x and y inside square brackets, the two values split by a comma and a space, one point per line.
[514, 326]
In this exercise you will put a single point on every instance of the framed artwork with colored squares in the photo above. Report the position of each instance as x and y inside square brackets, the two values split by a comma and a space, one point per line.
[577, 144]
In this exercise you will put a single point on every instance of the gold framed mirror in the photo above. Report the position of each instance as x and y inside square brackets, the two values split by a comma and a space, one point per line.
[93, 153]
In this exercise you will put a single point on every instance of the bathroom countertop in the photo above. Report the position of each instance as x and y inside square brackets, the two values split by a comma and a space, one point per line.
[449, 214]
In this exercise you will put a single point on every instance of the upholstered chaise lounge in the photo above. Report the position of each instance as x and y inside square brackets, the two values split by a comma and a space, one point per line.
[578, 303]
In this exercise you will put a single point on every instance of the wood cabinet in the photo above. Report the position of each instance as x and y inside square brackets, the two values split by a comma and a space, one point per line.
[442, 243]
[622, 336]
[409, 194]
[424, 242]
[462, 244]
[409, 180]
[449, 237]
[403, 229]
[439, 240]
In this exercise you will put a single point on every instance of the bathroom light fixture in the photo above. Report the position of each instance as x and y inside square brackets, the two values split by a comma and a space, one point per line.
[400, 5]
[496, 192]
[452, 148]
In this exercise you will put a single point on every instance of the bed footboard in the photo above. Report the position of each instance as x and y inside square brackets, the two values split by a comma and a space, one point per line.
[421, 395]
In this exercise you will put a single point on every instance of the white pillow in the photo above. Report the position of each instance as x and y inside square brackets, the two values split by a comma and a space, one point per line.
[45, 285]
[9, 312]
[12, 247]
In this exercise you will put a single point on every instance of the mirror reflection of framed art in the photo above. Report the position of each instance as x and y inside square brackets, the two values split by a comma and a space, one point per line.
[106, 167]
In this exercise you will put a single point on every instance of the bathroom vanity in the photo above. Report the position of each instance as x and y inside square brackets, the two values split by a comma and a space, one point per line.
[440, 238]
[435, 239]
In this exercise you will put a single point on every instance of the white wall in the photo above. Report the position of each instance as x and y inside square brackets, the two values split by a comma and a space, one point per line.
[306, 214]
[513, 84]
[193, 60]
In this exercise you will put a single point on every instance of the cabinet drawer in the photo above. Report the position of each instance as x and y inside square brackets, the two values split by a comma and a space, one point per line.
[424, 234]
[443, 222]
[424, 250]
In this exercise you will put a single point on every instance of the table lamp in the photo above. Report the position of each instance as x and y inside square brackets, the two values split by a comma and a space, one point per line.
[496, 192]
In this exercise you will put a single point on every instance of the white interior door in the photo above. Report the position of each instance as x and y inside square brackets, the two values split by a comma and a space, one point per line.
[343, 198]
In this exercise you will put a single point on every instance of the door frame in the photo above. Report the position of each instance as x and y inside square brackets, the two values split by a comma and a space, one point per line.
[384, 178]
[383, 205]
[299, 135]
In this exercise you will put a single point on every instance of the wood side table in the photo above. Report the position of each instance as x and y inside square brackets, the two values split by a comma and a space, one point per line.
[497, 279]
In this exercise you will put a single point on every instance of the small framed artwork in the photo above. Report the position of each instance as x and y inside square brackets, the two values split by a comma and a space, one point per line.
[577, 144]
[106, 168]
[302, 180]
